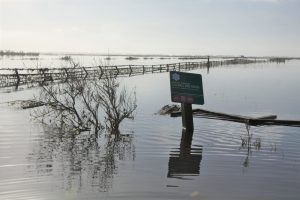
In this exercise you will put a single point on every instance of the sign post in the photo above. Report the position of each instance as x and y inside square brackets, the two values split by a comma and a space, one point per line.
[187, 117]
[187, 89]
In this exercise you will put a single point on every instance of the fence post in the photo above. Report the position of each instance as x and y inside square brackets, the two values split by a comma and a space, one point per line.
[130, 70]
[208, 61]
[86, 73]
[117, 71]
[208, 65]
[18, 78]
[44, 75]
[101, 70]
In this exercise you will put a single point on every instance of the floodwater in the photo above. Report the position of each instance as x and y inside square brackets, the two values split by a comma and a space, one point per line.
[87, 61]
[153, 159]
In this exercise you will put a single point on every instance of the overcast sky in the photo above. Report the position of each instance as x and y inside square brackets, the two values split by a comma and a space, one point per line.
[227, 27]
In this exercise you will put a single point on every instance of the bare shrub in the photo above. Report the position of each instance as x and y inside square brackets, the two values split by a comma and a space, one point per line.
[79, 104]
[117, 105]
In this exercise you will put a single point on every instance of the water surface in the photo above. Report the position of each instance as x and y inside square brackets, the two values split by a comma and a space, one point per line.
[153, 159]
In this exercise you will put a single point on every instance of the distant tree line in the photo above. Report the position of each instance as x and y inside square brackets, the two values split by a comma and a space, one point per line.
[17, 53]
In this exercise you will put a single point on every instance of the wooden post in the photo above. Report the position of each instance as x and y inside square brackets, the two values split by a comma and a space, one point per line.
[86, 73]
[17, 75]
[44, 75]
[130, 70]
[187, 117]
[117, 69]
[101, 70]
[18, 78]
[208, 65]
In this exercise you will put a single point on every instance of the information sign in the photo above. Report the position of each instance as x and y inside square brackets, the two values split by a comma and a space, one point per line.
[186, 88]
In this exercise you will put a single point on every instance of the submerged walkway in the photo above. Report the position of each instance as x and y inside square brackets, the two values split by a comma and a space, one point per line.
[40, 76]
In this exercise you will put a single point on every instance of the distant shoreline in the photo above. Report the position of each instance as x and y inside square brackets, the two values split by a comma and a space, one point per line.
[182, 56]
[17, 53]
[168, 56]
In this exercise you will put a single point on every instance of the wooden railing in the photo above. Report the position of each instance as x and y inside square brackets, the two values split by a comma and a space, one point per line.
[21, 76]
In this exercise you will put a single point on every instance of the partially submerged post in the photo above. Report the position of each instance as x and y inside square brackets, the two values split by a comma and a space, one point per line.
[187, 89]
[208, 61]
[208, 65]
[18, 78]
[187, 117]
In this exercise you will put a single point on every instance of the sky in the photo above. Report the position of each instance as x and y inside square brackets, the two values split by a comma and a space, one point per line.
[173, 27]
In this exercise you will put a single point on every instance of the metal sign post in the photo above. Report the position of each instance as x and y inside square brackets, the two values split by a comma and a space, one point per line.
[187, 89]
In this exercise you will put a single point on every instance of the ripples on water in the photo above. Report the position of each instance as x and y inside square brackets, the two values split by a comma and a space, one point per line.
[153, 159]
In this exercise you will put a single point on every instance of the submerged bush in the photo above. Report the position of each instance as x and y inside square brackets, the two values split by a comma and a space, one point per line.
[80, 104]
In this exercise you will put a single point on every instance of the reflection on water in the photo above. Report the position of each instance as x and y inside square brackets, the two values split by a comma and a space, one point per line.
[81, 161]
[185, 161]
[248, 143]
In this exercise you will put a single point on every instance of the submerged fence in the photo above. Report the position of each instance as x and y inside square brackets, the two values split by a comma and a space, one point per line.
[32, 76]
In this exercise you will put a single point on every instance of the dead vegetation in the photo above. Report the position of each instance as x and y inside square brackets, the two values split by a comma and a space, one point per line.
[81, 104]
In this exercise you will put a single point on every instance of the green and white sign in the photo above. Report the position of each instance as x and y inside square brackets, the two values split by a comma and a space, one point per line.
[186, 88]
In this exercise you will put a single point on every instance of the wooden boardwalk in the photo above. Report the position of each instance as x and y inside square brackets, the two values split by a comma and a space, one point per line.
[39, 76]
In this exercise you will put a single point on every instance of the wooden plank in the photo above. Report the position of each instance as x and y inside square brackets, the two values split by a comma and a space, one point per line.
[220, 114]
[270, 120]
